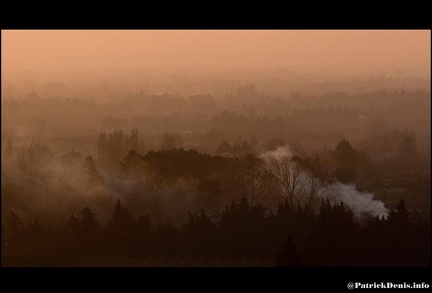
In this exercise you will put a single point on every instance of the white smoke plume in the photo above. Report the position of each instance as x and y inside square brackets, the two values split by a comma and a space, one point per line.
[279, 153]
[360, 203]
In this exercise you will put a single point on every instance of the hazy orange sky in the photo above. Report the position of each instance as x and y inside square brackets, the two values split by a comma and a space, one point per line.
[214, 50]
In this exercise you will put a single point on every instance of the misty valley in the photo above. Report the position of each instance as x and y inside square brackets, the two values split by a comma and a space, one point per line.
[240, 178]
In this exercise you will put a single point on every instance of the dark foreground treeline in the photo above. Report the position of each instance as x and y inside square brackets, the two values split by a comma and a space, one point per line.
[293, 236]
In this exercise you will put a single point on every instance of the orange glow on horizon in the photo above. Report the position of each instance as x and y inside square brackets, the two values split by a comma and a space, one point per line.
[214, 50]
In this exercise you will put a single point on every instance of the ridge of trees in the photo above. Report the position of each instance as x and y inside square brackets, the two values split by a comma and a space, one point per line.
[293, 236]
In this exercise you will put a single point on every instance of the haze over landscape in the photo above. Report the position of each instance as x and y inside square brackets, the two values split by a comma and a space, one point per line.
[165, 147]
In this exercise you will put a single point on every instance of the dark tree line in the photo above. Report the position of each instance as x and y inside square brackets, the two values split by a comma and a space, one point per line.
[170, 164]
[292, 236]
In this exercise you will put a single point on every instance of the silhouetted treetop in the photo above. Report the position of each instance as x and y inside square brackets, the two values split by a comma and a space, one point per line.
[344, 153]
[122, 219]
[89, 223]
